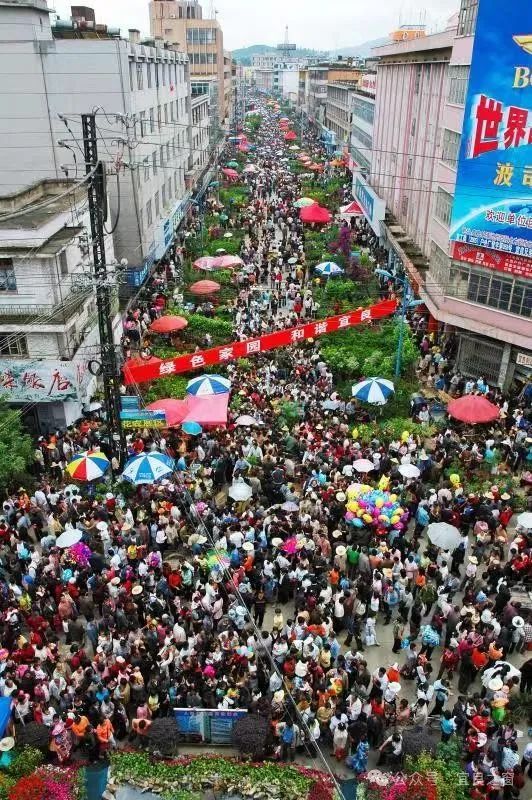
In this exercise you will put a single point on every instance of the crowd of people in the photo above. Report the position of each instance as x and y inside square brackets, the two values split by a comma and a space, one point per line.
[186, 598]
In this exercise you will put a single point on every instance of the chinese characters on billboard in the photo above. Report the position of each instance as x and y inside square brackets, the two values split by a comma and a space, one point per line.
[493, 198]
[37, 381]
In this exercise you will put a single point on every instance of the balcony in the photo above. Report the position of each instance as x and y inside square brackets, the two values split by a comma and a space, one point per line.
[31, 313]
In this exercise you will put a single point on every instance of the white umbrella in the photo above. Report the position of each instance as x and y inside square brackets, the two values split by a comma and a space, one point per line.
[525, 520]
[290, 506]
[68, 538]
[246, 420]
[444, 535]
[240, 490]
[363, 465]
[409, 471]
[373, 390]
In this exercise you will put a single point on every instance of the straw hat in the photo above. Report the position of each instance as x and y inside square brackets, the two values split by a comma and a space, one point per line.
[248, 547]
[336, 534]
[136, 590]
[518, 622]
[505, 496]
[473, 559]
[276, 541]
[341, 550]
[115, 581]
[7, 743]
[394, 687]
[278, 696]
[340, 496]
[495, 684]
[201, 539]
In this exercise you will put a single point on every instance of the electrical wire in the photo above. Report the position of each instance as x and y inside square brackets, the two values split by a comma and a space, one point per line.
[51, 200]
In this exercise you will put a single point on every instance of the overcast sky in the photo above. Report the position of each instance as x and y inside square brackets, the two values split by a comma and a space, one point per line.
[320, 24]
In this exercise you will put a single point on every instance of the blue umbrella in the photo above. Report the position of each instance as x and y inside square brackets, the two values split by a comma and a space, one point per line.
[148, 468]
[192, 428]
[373, 390]
[329, 268]
[205, 385]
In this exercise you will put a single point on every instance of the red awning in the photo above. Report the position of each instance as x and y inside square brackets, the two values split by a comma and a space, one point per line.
[353, 208]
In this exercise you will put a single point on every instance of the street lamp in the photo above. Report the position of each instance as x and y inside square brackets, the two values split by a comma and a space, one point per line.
[404, 305]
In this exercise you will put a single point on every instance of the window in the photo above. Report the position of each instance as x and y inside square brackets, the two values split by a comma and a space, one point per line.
[166, 113]
[140, 75]
[13, 345]
[168, 151]
[161, 155]
[201, 36]
[63, 262]
[404, 205]
[157, 204]
[443, 207]
[149, 213]
[450, 147]
[146, 169]
[467, 18]
[362, 137]
[409, 167]
[154, 162]
[417, 78]
[131, 75]
[8, 281]
[164, 194]
[148, 73]
[458, 79]
[152, 121]
[363, 110]
[142, 119]
[502, 292]
[439, 265]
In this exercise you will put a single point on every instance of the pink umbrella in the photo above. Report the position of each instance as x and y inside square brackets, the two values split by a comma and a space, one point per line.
[205, 262]
[230, 173]
[175, 410]
[226, 262]
[204, 287]
[168, 324]
[473, 409]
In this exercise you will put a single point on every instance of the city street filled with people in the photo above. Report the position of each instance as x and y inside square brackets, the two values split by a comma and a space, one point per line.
[349, 588]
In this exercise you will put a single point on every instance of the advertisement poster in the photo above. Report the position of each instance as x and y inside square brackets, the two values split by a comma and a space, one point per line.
[493, 197]
[206, 725]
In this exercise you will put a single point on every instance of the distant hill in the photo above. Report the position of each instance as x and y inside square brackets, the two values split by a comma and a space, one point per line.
[363, 50]
[244, 54]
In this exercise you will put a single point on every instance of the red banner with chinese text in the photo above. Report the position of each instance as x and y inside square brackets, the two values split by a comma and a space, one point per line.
[249, 347]
[521, 266]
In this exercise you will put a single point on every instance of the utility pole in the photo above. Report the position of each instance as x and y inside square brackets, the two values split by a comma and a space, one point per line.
[97, 197]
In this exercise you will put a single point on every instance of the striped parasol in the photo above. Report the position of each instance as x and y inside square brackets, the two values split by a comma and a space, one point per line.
[88, 466]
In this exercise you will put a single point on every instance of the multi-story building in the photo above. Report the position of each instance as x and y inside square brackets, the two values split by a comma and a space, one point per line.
[338, 110]
[480, 297]
[181, 23]
[140, 92]
[362, 117]
[48, 322]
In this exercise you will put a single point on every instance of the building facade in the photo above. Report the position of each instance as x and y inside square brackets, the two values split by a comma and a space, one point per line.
[362, 119]
[338, 111]
[181, 23]
[408, 197]
[48, 320]
[142, 94]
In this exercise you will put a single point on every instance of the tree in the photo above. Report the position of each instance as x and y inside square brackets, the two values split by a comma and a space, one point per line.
[16, 447]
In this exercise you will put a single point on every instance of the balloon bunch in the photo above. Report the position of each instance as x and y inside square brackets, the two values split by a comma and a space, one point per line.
[375, 508]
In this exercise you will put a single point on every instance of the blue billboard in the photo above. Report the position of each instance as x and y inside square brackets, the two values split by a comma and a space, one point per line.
[493, 197]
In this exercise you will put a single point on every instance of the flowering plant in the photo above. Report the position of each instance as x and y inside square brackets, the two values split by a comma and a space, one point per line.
[32, 787]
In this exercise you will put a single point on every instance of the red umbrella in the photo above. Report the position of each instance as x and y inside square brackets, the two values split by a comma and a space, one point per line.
[315, 214]
[473, 409]
[291, 136]
[175, 410]
[168, 324]
[204, 287]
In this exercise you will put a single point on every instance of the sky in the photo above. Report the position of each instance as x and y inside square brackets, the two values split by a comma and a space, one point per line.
[319, 24]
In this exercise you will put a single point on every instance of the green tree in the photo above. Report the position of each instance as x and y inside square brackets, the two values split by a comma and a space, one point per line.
[16, 448]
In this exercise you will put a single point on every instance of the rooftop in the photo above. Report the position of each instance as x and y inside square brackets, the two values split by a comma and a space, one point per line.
[51, 247]
[33, 215]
